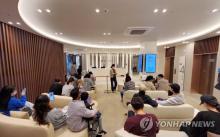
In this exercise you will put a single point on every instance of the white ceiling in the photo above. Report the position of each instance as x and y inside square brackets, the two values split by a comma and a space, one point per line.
[82, 26]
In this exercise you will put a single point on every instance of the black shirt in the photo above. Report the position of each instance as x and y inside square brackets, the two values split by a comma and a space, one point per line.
[205, 121]
[56, 88]
[147, 99]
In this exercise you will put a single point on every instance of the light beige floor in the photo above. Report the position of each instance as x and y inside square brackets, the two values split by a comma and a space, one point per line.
[113, 110]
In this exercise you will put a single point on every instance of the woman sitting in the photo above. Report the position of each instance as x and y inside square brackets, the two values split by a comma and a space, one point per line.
[9, 101]
[149, 83]
[88, 84]
[68, 87]
[128, 85]
[45, 114]
[93, 78]
[205, 121]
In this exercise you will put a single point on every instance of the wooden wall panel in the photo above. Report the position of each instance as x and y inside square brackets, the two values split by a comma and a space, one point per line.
[207, 46]
[170, 52]
[28, 60]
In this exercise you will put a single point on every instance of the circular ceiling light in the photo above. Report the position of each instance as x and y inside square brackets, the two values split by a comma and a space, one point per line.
[97, 10]
[10, 22]
[48, 10]
[218, 32]
[39, 10]
[156, 10]
[18, 23]
[215, 10]
[164, 10]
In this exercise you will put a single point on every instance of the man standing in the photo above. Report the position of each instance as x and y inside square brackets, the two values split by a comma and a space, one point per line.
[113, 74]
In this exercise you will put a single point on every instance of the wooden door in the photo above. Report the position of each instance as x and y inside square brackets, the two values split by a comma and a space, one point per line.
[204, 73]
[169, 67]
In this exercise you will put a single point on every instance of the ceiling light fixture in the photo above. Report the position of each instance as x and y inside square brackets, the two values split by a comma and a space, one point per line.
[109, 33]
[61, 33]
[56, 33]
[185, 42]
[215, 10]
[104, 34]
[97, 10]
[48, 10]
[156, 10]
[164, 10]
[18, 23]
[10, 22]
[218, 32]
[39, 10]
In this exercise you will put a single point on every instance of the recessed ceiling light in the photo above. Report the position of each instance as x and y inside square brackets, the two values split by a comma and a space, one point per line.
[56, 33]
[10, 22]
[164, 10]
[104, 33]
[218, 32]
[39, 10]
[61, 33]
[18, 23]
[108, 33]
[156, 10]
[97, 10]
[48, 10]
[215, 10]
[185, 42]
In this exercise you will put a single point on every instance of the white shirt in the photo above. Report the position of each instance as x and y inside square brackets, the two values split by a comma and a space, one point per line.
[67, 89]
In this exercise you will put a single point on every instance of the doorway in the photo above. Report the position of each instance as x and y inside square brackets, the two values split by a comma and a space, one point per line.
[203, 76]
[169, 67]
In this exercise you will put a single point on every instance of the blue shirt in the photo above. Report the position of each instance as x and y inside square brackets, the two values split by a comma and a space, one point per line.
[15, 104]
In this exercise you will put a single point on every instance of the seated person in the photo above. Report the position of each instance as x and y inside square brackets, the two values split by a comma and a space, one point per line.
[56, 87]
[176, 99]
[77, 115]
[80, 85]
[147, 99]
[162, 83]
[68, 87]
[141, 123]
[44, 114]
[93, 78]
[87, 100]
[128, 85]
[88, 84]
[9, 101]
[149, 83]
[205, 121]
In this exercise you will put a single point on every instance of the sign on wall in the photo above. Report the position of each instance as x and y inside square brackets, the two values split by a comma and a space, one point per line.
[181, 71]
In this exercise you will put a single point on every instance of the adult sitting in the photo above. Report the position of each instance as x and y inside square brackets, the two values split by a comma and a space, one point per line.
[162, 83]
[44, 114]
[68, 87]
[56, 87]
[78, 114]
[141, 123]
[149, 83]
[147, 99]
[176, 99]
[93, 78]
[9, 101]
[128, 85]
[205, 121]
[88, 84]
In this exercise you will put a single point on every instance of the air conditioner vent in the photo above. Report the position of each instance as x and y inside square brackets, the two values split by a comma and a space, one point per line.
[138, 31]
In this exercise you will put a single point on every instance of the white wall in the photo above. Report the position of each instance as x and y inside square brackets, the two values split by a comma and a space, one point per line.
[187, 51]
[215, 91]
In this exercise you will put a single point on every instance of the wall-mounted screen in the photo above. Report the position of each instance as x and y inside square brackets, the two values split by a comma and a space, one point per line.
[140, 63]
[150, 64]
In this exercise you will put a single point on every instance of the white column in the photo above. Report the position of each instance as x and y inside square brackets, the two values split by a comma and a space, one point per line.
[123, 60]
[100, 60]
[96, 60]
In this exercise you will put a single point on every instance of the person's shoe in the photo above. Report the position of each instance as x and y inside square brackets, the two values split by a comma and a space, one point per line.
[102, 132]
[98, 135]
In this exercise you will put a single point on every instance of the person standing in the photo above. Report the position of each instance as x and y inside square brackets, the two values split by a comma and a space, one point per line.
[113, 74]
